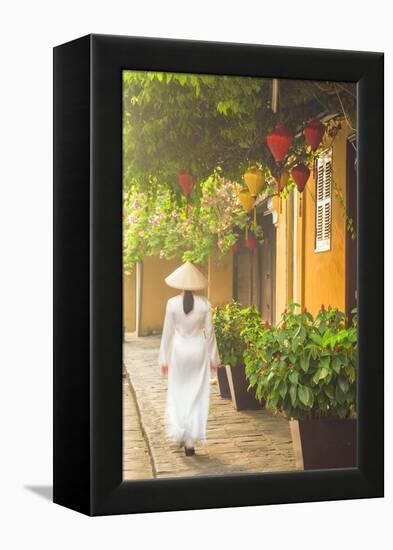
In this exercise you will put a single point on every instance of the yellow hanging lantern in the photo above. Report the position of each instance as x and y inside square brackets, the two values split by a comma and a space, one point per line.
[254, 179]
[247, 202]
[282, 182]
[246, 199]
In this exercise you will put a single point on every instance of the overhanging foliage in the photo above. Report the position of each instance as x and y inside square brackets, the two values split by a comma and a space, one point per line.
[178, 121]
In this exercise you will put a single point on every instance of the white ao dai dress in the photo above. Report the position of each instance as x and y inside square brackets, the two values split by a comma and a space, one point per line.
[189, 349]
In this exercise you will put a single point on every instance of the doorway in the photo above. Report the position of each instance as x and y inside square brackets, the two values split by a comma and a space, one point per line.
[255, 273]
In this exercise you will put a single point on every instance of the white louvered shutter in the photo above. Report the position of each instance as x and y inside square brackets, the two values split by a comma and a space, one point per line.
[323, 214]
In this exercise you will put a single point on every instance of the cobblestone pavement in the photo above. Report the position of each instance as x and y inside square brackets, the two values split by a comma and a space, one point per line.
[137, 462]
[237, 441]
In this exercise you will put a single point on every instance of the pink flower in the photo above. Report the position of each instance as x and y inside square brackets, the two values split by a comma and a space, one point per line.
[135, 203]
[132, 219]
[174, 214]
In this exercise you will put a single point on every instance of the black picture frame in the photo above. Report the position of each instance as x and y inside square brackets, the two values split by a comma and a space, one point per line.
[88, 274]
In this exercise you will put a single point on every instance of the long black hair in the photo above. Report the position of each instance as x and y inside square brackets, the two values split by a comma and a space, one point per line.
[188, 301]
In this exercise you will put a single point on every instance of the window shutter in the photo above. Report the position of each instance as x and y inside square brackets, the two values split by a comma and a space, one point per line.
[323, 208]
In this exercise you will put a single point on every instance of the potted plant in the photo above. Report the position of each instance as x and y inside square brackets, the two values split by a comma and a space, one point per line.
[305, 367]
[229, 322]
[219, 322]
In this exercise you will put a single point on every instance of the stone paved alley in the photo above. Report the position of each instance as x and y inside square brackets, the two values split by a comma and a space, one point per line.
[238, 441]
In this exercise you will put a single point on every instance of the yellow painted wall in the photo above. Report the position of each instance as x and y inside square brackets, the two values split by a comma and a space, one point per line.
[220, 277]
[323, 273]
[303, 275]
[155, 292]
[299, 247]
[129, 302]
[282, 258]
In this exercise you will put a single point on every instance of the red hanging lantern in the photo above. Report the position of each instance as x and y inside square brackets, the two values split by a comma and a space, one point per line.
[186, 182]
[314, 132]
[279, 141]
[236, 247]
[300, 174]
[251, 243]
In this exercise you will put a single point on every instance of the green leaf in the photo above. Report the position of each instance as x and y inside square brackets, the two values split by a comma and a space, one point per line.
[294, 377]
[293, 394]
[305, 361]
[343, 383]
[316, 338]
[325, 361]
[321, 373]
[306, 396]
[302, 334]
[310, 398]
[283, 389]
[254, 378]
[270, 376]
[340, 396]
[329, 391]
[336, 365]
[295, 343]
[181, 78]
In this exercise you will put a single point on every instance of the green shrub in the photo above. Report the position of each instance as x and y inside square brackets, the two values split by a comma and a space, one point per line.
[229, 322]
[304, 367]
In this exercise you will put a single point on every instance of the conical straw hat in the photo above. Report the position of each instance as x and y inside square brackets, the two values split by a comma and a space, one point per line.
[187, 277]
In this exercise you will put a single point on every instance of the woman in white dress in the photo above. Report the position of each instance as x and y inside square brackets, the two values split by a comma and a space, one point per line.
[188, 354]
